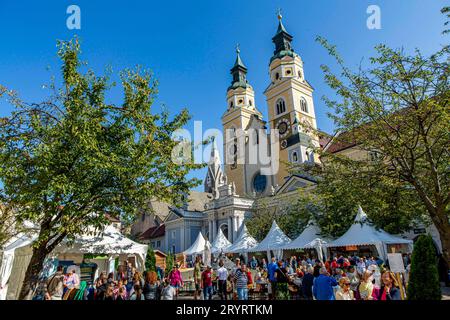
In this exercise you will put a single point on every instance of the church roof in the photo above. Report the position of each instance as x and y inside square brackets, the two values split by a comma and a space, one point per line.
[238, 62]
[153, 232]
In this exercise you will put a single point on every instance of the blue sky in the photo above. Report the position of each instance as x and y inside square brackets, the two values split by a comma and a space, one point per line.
[189, 45]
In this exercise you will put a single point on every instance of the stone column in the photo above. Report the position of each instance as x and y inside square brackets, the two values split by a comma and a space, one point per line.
[214, 231]
[230, 230]
[210, 230]
[235, 235]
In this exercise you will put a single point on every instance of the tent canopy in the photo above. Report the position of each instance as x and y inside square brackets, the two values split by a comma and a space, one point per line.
[17, 254]
[274, 240]
[220, 243]
[308, 235]
[244, 242]
[111, 242]
[363, 233]
[198, 246]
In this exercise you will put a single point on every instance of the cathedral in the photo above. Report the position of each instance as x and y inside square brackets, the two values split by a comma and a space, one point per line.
[231, 189]
[257, 157]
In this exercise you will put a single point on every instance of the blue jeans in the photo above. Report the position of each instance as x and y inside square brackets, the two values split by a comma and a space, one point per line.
[242, 293]
[207, 292]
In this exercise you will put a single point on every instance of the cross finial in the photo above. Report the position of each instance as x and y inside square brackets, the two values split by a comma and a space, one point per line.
[279, 14]
[237, 48]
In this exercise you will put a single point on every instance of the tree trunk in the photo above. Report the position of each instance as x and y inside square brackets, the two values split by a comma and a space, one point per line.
[32, 274]
[443, 226]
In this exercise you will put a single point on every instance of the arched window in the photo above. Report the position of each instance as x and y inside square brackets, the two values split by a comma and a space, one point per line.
[250, 102]
[231, 104]
[303, 105]
[280, 106]
[259, 183]
[224, 228]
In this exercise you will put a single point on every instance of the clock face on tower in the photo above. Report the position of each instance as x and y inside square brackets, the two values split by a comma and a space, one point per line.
[283, 127]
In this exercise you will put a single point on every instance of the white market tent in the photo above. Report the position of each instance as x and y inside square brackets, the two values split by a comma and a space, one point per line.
[220, 243]
[243, 243]
[310, 233]
[198, 246]
[274, 240]
[111, 242]
[363, 233]
[308, 239]
[17, 255]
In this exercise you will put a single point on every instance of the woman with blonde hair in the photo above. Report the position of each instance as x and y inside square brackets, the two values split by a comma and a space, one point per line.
[366, 286]
[344, 292]
[137, 277]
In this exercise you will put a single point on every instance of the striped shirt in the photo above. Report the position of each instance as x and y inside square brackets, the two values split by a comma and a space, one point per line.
[241, 279]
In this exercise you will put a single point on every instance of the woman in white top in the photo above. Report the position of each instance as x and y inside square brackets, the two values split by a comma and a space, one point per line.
[344, 292]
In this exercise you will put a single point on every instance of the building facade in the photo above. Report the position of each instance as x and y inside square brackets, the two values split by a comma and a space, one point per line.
[232, 190]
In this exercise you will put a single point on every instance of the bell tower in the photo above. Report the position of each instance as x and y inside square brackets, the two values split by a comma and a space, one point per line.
[241, 109]
[290, 104]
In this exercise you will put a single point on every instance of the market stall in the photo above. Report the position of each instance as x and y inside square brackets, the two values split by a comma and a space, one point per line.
[198, 247]
[309, 239]
[274, 241]
[243, 243]
[220, 244]
[87, 254]
[362, 234]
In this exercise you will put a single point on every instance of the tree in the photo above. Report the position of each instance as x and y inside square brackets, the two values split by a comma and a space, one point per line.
[333, 203]
[170, 261]
[285, 211]
[9, 225]
[150, 260]
[423, 283]
[67, 161]
[399, 109]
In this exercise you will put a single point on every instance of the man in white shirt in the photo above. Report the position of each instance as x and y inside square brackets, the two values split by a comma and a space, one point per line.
[222, 276]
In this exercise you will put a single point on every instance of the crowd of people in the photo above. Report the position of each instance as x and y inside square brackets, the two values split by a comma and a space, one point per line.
[340, 278]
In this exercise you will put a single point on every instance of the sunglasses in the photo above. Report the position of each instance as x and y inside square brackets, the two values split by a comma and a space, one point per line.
[347, 284]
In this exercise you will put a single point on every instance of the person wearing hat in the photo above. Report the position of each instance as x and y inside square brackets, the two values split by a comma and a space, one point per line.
[207, 283]
[176, 281]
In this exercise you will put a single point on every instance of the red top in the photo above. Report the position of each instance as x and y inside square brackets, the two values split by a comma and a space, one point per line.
[383, 295]
[334, 264]
[207, 278]
[249, 277]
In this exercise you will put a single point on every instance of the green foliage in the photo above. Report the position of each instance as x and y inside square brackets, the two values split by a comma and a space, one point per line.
[150, 260]
[446, 12]
[67, 161]
[333, 203]
[9, 225]
[423, 281]
[170, 262]
[285, 212]
[395, 112]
